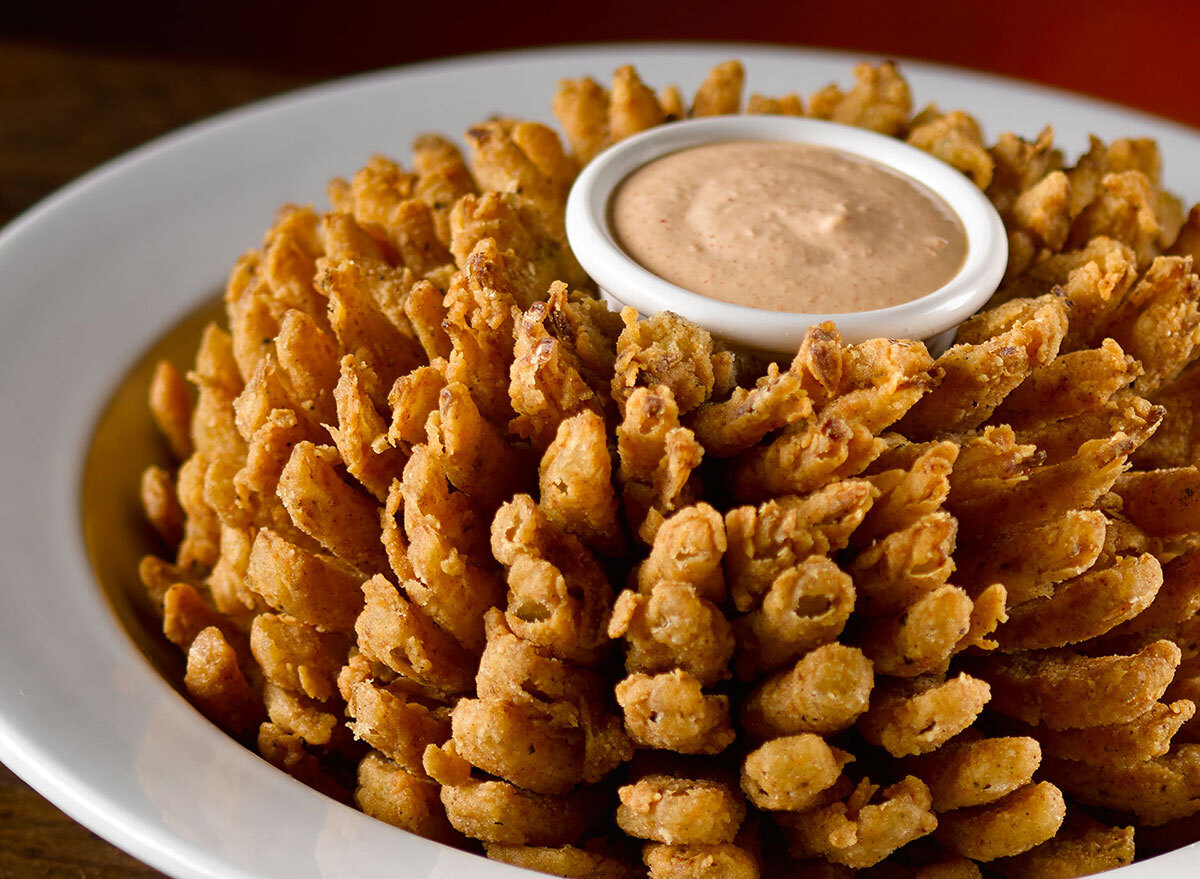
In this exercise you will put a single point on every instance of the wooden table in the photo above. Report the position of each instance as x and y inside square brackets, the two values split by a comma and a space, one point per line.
[62, 113]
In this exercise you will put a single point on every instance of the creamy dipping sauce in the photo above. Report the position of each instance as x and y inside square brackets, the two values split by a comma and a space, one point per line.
[787, 227]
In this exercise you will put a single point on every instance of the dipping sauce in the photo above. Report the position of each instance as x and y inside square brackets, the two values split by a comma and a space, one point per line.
[787, 227]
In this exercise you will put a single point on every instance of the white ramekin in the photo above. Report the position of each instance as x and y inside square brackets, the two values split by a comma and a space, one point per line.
[932, 317]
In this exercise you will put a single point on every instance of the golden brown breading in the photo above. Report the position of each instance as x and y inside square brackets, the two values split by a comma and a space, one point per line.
[780, 534]
[721, 92]
[1082, 851]
[880, 100]
[663, 350]
[442, 179]
[671, 626]
[866, 827]
[558, 596]
[1065, 690]
[688, 548]
[791, 773]
[1121, 744]
[341, 517]
[977, 378]
[806, 606]
[954, 138]
[823, 693]
[317, 589]
[893, 573]
[170, 402]
[972, 770]
[526, 158]
[361, 434]
[726, 861]
[1015, 824]
[657, 458]
[681, 811]
[668, 711]
[575, 482]
[920, 715]
[577, 863]
[1155, 791]
[397, 633]
[217, 685]
[401, 798]
[1083, 608]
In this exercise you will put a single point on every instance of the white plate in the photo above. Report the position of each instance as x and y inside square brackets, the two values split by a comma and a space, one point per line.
[92, 275]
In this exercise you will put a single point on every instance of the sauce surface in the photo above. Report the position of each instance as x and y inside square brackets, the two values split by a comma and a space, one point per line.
[787, 227]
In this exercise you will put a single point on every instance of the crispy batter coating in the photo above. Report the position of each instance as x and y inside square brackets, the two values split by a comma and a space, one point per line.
[791, 773]
[442, 179]
[681, 811]
[575, 484]
[526, 158]
[806, 606]
[671, 626]
[780, 534]
[895, 572]
[866, 827]
[317, 589]
[721, 92]
[401, 798]
[922, 638]
[577, 863]
[390, 717]
[741, 421]
[724, 861]
[361, 431]
[170, 402]
[160, 504]
[496, 811]
[1067, 548]
[515, 670]
[296, 656]
[1162, 503]
[1065, 690]
[977, 377]
[477, 459]
[342, 518]
[558, 597]
[973, 771]
[920, 715]
[688, 548]
[217, 685]
[823, 693]
[397, 633]
[670, 712]
[1069, 385]
[1015, 824]
[954, 138]
[1085, 607]
[657, 458]
[1072, 853]
[455, 581]
[214, 432]
[520, 742]
[1121, 744]
[880, 100]
[1155, 791]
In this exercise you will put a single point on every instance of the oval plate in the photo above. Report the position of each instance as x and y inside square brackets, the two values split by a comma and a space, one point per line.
[97, 272]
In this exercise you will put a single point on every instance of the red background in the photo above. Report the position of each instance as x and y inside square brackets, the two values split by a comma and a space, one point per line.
[1139, 53]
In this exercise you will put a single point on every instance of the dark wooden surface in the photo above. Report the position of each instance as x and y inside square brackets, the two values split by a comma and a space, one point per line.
[68, 103]
[62, 113]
